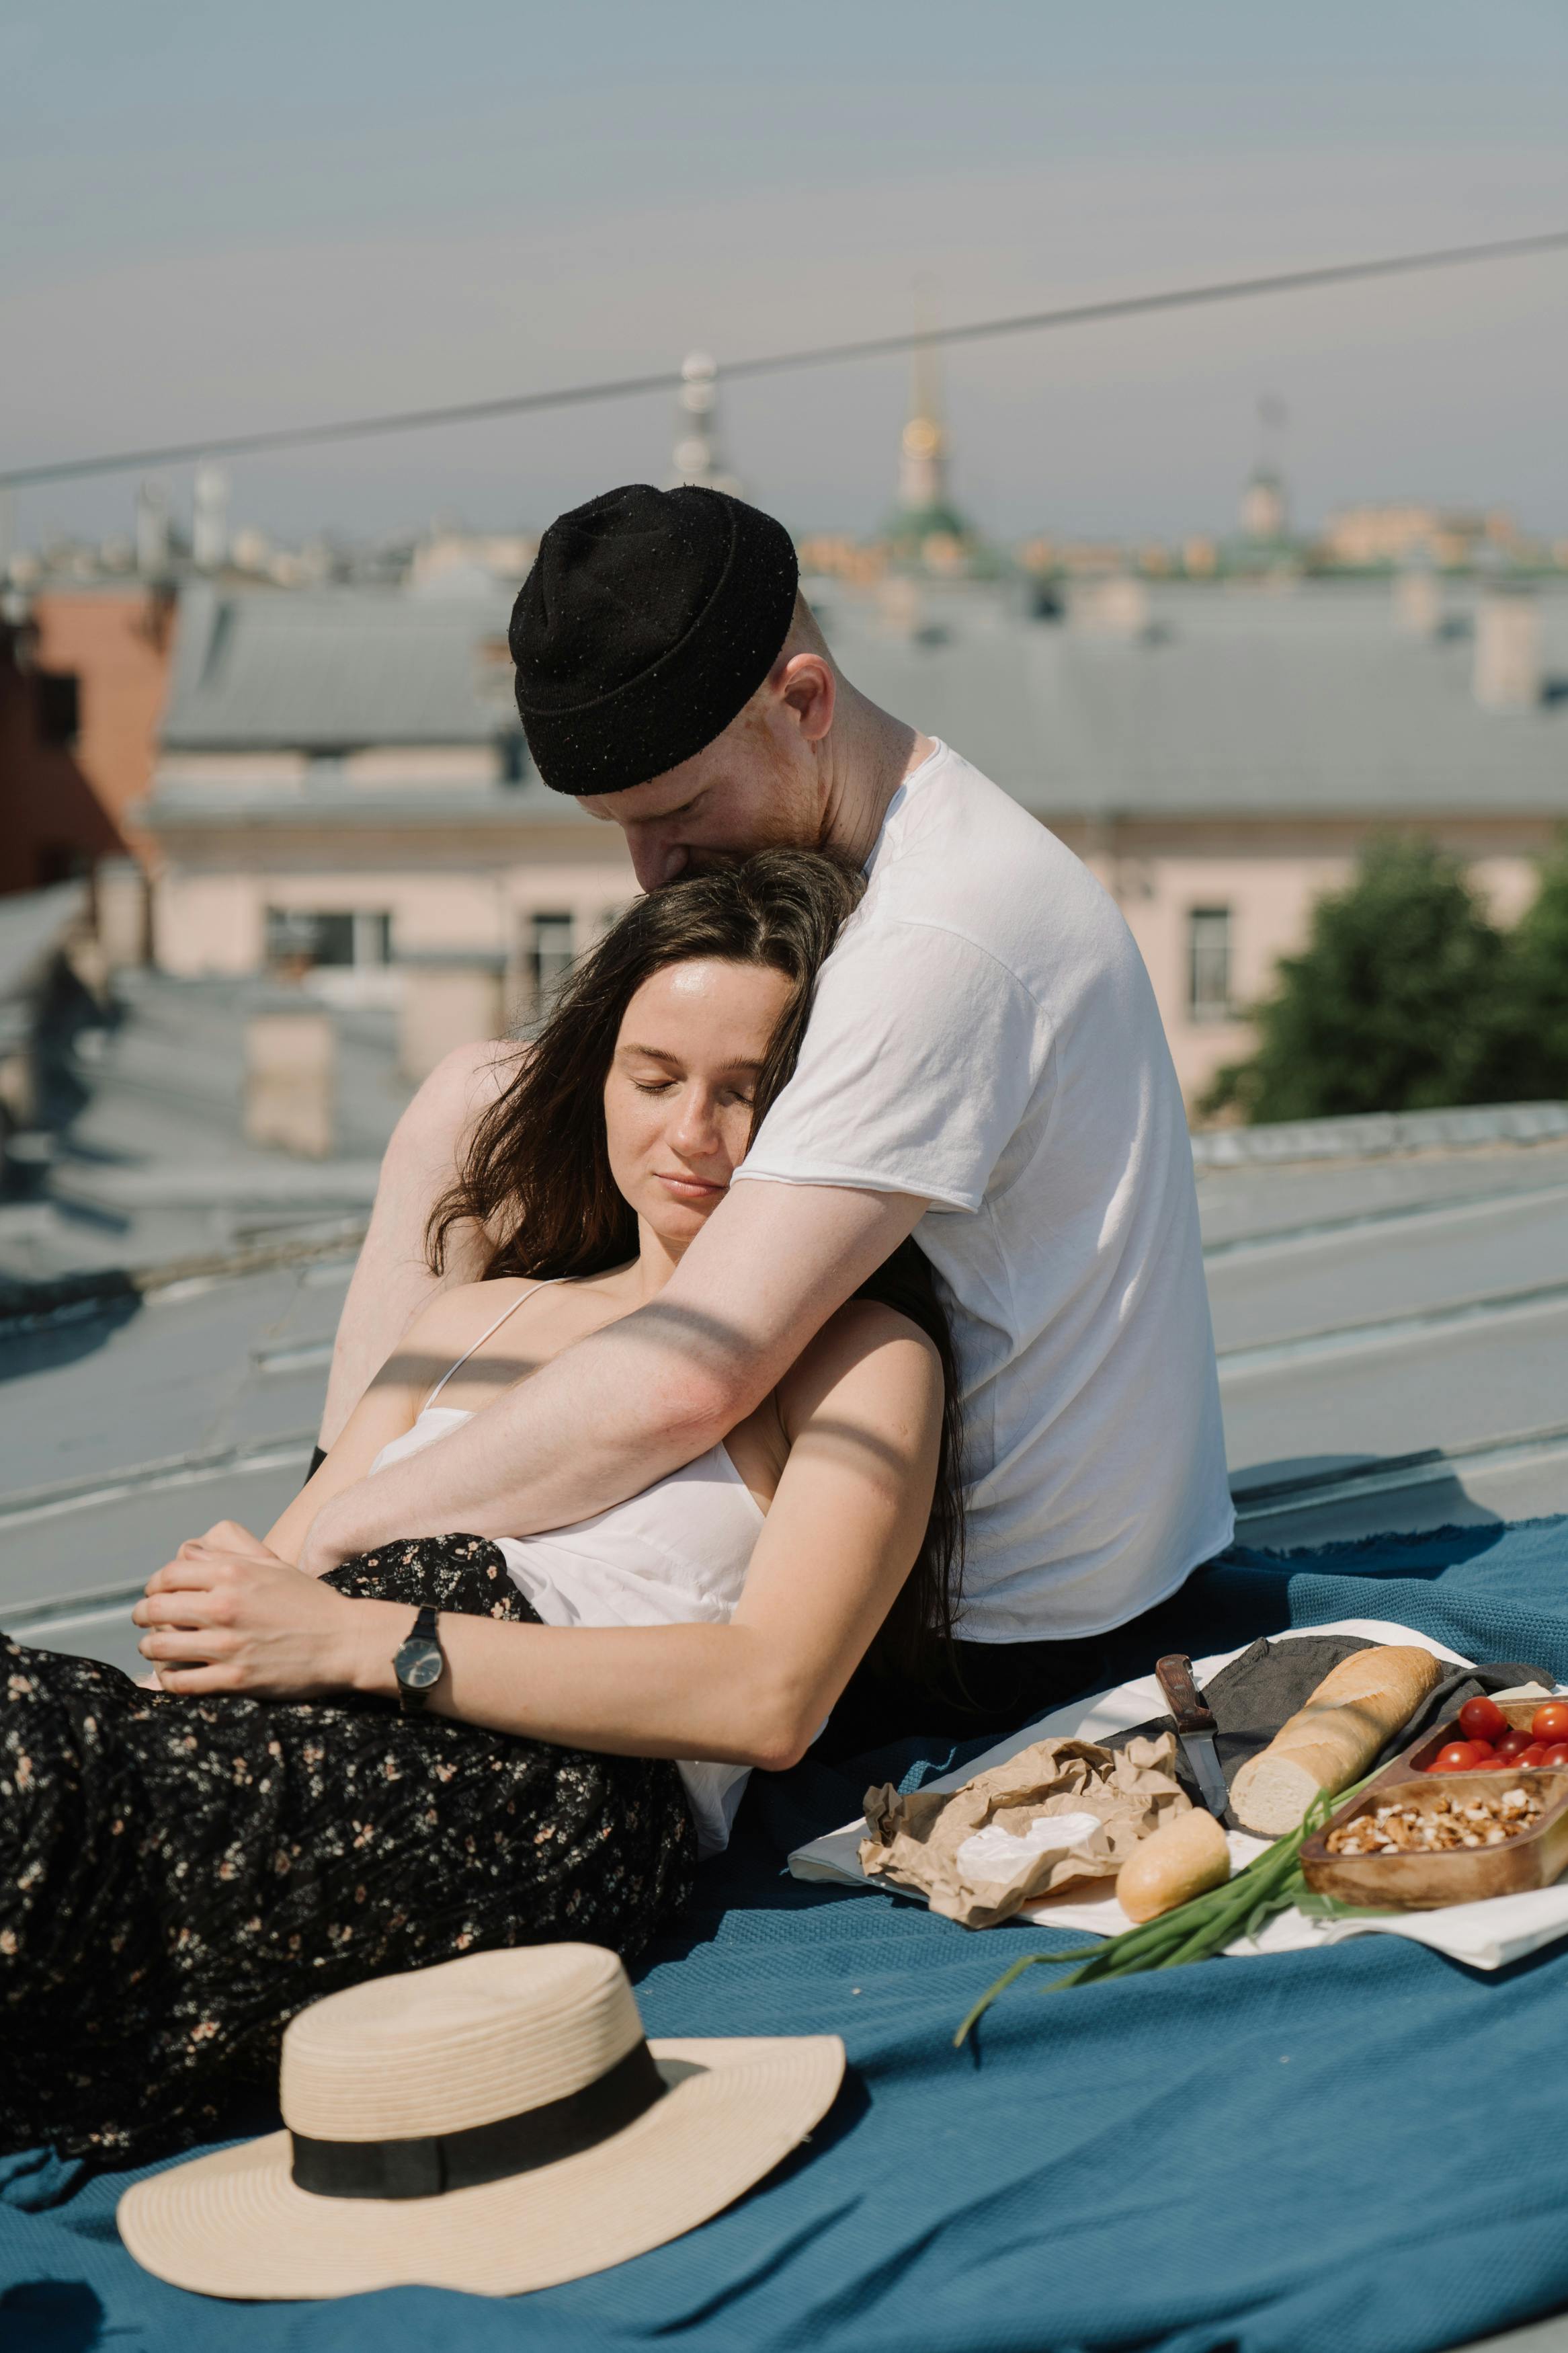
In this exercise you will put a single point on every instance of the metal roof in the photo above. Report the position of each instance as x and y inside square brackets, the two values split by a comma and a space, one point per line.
[1303, 701]
[1392, 1337]
[156, 1165]
[1306, 699]
[32, 926]
[257, 669]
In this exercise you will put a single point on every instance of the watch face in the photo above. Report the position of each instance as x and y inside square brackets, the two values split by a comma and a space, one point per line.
[418, 1665]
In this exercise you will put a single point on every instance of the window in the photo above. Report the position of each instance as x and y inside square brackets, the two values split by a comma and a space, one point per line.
[308, 935]
[1208, 963]
[58, 705]
[549, 957]
[373, 938]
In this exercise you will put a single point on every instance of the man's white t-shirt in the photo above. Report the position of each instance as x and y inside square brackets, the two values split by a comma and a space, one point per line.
[984, 1035]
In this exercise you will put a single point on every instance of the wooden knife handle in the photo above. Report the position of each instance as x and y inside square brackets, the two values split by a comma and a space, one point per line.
[1176, 1680]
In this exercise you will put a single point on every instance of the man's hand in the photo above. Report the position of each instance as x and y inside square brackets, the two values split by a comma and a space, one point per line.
[226, 1615]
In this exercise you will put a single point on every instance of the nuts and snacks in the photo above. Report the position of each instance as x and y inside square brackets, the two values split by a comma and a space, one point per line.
[1467, 1819]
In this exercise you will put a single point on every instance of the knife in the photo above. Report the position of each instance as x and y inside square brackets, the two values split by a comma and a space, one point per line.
[1195, 1730]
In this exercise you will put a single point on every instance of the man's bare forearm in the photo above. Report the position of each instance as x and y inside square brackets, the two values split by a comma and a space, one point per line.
[645, 1395]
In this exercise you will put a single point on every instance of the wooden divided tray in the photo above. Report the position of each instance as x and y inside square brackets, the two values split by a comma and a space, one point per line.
[1424, 1882]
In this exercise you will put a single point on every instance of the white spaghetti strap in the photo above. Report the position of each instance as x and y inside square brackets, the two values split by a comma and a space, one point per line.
[488, 1333]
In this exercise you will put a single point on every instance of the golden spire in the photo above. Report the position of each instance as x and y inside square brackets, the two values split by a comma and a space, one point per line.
[922, 449]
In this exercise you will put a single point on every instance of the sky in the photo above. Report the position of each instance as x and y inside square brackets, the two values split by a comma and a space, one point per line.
[214, 219]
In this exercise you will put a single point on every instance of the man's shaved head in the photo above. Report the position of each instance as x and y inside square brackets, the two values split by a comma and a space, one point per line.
[805, 633]
[762, 784]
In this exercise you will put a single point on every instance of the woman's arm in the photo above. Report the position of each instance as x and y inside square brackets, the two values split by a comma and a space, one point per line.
[383, 1412]
[389, 1407]
[863, 1413]
[393, 1280]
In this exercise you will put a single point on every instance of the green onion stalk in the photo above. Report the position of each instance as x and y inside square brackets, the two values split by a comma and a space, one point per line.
[1196, 1930]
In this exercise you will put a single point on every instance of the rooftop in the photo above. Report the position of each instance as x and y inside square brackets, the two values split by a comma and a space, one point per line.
[149, 1162]
[257, 668]
[1226, 703]
[1301, 699]
[1392, 1325]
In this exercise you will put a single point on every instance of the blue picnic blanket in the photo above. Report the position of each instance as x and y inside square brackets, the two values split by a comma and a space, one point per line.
[1360, 2150]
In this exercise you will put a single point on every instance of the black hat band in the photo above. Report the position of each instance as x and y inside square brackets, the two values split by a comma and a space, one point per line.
[432, 2163]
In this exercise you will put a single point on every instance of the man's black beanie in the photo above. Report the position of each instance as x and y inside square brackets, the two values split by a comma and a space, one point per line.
[649, 619]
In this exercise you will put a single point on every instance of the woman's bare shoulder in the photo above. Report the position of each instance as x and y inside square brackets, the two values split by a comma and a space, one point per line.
[452, 1319]
[889, 1358]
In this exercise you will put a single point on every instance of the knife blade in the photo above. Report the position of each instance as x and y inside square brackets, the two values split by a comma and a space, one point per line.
[1195, 1730]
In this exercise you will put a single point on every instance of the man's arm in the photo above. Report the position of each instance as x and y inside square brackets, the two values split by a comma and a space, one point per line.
[863, 1414]
[393, 1280]
[648, 1393]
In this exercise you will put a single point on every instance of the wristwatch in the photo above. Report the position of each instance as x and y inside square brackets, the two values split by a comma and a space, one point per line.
[419, 1662]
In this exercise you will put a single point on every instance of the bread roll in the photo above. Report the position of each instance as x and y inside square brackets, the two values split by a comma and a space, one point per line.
[1329, 1742]
[1185, 1856]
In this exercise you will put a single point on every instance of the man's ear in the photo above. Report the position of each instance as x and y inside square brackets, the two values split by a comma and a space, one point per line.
[807, 685]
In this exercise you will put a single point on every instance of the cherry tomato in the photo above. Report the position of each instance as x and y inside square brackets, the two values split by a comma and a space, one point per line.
[1458, 1757]
[1531, 1756]
[1512, 1743]
[1556, 1756]
[1482, 1719]
[1549, 1723]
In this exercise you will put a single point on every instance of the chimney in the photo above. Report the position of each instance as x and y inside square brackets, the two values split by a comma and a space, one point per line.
[1508, 650]
[1114, 606]
[290, 1082]
[151, 530]
[209, 521]
[1417, 602]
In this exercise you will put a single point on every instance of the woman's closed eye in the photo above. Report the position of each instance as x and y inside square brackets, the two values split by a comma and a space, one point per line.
[742, 1091]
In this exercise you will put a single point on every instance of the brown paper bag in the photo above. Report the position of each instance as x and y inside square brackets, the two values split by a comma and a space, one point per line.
[976, 1853]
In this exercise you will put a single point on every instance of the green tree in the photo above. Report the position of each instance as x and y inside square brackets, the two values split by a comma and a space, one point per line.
[1395, 1004]
[1532, 1014]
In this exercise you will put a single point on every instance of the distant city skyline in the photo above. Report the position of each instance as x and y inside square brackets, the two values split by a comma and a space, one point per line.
[221, 222]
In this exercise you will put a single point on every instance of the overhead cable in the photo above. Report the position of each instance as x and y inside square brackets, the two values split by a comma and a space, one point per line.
[1074, 314]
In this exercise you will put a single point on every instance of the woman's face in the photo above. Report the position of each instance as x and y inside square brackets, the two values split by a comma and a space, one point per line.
[678, 1101]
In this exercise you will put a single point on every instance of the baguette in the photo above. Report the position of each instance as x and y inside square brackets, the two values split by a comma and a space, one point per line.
[1184, 1857]
[1329, 1742]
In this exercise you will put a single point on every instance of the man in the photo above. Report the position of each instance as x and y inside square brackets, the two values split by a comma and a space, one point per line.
[983, 1063]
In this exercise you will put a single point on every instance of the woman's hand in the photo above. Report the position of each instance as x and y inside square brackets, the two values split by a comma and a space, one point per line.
[226, 1615]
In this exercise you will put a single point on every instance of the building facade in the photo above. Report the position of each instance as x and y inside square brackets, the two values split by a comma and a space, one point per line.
[342, 793]
[1220, 756]
[343, 796]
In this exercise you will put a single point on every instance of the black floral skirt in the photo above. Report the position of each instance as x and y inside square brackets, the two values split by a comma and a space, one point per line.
[179, 1877]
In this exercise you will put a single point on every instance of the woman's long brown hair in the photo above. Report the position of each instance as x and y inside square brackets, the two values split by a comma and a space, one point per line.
[537, 1177]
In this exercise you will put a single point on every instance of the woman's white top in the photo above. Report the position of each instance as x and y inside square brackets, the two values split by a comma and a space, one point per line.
[676, 1554]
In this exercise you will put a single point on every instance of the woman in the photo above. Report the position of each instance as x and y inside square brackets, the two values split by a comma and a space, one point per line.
[182, 1868]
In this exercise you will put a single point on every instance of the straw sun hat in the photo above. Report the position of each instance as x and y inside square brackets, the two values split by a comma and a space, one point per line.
[495, 2123]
